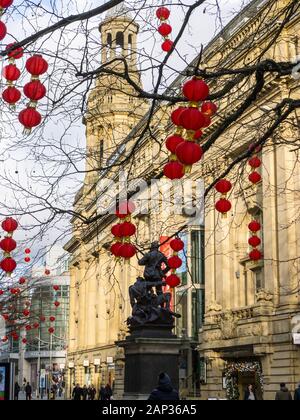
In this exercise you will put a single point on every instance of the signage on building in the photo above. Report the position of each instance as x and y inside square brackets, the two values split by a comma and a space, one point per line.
[86, 363]
[71, 365]
[296, 338]
[62, 366]
[109, 360]
[97, 362]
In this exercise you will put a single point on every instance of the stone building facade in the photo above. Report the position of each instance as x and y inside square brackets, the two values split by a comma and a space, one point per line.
[237, 315]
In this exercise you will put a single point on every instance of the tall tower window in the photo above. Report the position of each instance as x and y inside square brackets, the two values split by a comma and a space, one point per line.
[119, 43]
[130, 45]
[109, 45]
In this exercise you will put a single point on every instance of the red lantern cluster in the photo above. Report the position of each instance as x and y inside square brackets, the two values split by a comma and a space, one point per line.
[175, 262]
[11, 95]
[254, 241]
[185, 150]
[123, 231]
[165, 29]
[27, 258]
[223, 205]
[4, 4]
[8, 244]
[255, 163]
[34, 91]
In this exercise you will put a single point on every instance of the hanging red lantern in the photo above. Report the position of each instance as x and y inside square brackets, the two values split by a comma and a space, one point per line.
[26, 312]
[115, 230]
[255, 177]
[56, 303]
[36, 65]
[51, 330]
[24, 340]
[16, 53]
[9, 225]
[47, 272]
[11, 95]
[22, 280]
[167, 45]
[207, 121]
[115, 249]
[163, 13]
[192, 119]
[28, 328]
[4, 4]
[255, 162]
[56, 288]
[189, 153]
[254, 148]
[5, 317]
[36, 325]
[176, 116]
[223, 206]
[172, 142]
[177, 244]
[195, 90]
[8, 244]
[15, 337]
[27, 251]
[254, 241]
[34, 90]
[173, 280]
[30, 118]
[52, 318]
[124, 209]
[174, 262]
[127, 229]
[3, 30]
[27, 259]
[11, 72]
[174, 170]
[165, 29]
[209, 108]
[1, 292]
[8, 265]
[198, 134]
[127, 251]
[254, 226]
[255, 255]
[42, 318]
[223, 186]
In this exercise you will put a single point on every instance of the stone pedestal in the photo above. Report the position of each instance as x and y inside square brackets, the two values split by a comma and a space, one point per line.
[148, 352]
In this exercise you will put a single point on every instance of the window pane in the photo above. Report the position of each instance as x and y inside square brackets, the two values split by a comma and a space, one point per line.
[197, 256]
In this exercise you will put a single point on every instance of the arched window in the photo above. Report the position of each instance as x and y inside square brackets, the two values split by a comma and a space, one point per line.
[130, 45]
[120, 43]
[108, 45]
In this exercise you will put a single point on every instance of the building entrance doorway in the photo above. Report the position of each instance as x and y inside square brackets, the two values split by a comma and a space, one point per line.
[238, 375]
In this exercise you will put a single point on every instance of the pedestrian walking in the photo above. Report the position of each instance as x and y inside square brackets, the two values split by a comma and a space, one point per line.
[84, 392]
[17, 390]
[297, 393]
[108, 392]
[28, 391]
[250, 394]
[92, 392]
[102, 393]
[164, 390]
[77, 393]
[284, 394]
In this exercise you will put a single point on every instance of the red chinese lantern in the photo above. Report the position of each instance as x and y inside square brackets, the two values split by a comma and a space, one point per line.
[255, 255]
[36, 65]
[4, 4]
[163, 13]
[198, 135]
[16, 53]
[36, 325]
[223, 206]
[124, 209]
[115, 230]
[47, 272]
[56, 288]
[34, 90]
[254, 241]
[115, 249]
[223, 186]
[27, 259]
[8, 244]
[174, 262]
[11, 72]
[1, 292]
[15, 337]
[195, 90]
[11, 95]
[173, 280]
[165, 29]
[207, 121]
[167, 45]
[254, 226]
[9, 225]
[255, 177]
[3, 30]
[28, 327]
[51, 330]
[24, 340]
[177, 244]
[8, 265]
[127, 251]
[42, 318]
[209, 108]
[26, 312]
[22, 280]
[5, 317]
[189, 153]
[27, 251]
[30, 118]
[254, 148]
[174, 170]
[172, 142]
[56, 303]
[52, 318]
[127, 229]
[192, 119]
[255, 162]
[176, 116]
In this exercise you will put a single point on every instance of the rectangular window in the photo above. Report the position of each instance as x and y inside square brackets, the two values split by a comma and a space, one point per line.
[198, 305]
[197, 256]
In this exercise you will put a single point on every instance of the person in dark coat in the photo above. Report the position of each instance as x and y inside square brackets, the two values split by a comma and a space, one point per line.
[164, 390]
[250, 394]
[84, 392]
[102, 393]
[108, 392]
[17, 390]
[77, 393]
[284, 394]
[297, 393]
[92, 393]
[28, 391]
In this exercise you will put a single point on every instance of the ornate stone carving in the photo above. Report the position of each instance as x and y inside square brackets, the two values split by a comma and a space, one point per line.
[263, 295]
[214, 335]
[228, 325]
[214, 307]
